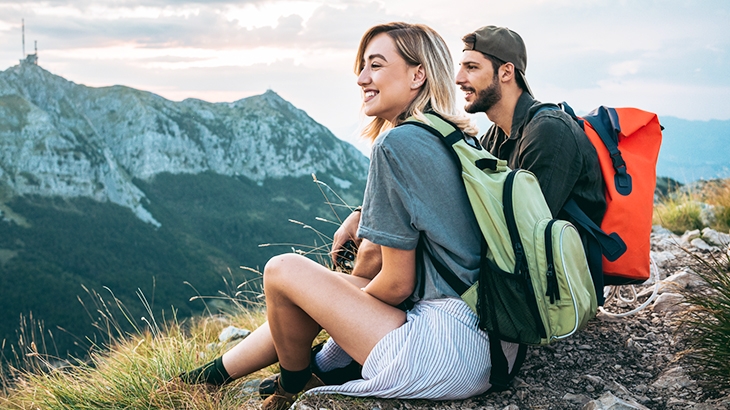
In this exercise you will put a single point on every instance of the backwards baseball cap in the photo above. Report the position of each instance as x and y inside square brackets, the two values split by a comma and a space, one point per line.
[504, 44]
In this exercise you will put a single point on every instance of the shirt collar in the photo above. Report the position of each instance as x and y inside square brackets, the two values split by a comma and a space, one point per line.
[520, 114]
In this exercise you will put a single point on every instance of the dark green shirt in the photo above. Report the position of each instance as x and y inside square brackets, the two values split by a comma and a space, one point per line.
[553, 147]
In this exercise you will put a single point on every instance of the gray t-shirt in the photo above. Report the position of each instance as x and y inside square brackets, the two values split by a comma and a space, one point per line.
[414, 188]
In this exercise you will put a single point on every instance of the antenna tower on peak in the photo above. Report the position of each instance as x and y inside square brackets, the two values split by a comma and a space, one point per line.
[29, 58]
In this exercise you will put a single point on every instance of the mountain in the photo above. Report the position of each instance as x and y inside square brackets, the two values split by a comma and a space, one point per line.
[126, 194]
[693, 150]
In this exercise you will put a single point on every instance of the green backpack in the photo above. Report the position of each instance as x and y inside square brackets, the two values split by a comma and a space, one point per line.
[534, 284]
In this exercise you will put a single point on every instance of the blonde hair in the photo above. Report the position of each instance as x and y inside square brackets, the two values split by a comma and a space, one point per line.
[419, 44]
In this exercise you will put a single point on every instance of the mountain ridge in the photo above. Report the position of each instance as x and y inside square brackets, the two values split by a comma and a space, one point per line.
[117, 133]
[119, 190]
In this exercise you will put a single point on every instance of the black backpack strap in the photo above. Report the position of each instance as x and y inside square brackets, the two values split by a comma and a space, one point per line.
[606, 124]
[521, 267]
[500, 377]
[599, 244]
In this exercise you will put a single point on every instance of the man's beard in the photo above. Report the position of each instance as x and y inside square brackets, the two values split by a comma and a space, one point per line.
[485, 99]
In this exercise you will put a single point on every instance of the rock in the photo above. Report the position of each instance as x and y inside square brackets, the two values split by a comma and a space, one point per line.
[233, 333]
[634, 345]
[661, 231]
[690, 235]
[576, 398]
[713, 237]
[668, 302]
[610, 402]
[618, 389]
[663, 258]
[702, 245]
[594, 380]
[708, 213]
[250, 387]
[682, 280]
[675, 377]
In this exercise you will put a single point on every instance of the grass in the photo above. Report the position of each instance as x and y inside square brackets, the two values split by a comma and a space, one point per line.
[682, 210]
[130, 370]
[707, 324]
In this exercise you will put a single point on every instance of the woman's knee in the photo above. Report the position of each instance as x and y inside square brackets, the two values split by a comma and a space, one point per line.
[281, 269]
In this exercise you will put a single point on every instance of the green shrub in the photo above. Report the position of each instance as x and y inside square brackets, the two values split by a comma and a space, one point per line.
[678, 214]
[680, 211]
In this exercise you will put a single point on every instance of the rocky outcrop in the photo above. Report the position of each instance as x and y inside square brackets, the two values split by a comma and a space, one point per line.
[58, 138]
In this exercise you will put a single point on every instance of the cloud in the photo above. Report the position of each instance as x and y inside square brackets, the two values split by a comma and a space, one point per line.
[671, 56]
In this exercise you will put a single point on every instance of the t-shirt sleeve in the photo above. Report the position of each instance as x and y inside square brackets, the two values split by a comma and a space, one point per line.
[388, 197]
[550, 152]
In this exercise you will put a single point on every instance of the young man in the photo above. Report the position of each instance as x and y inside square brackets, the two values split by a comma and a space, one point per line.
[546, 142]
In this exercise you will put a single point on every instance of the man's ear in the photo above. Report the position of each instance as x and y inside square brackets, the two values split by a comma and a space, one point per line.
[419, 77]
[507, 72]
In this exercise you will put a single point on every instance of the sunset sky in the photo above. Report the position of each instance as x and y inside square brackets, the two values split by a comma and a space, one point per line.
[671, 57]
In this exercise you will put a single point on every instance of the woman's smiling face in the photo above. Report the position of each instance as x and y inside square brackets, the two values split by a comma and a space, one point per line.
[388, 83]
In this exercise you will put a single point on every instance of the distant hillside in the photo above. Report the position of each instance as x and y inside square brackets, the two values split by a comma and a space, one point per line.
[119, 189]
[693, 150]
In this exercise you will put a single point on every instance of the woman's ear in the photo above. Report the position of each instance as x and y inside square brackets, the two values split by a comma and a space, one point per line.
[419, 77]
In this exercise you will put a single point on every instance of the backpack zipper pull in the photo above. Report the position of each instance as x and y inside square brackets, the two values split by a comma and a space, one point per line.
[552, 284]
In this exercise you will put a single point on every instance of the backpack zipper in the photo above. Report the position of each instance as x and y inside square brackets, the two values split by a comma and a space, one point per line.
[553, 290]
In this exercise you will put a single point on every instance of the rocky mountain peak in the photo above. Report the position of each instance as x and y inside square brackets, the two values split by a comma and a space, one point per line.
[59, 138]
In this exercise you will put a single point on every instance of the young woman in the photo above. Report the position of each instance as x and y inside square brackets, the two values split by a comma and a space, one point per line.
[414, 199]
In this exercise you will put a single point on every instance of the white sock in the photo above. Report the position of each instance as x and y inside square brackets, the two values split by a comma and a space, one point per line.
[331, 357]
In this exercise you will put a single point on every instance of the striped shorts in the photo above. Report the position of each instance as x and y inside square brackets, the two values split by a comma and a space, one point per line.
[438, 354]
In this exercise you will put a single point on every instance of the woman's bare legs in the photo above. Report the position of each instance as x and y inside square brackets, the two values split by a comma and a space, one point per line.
[257, 350]
[253, 353]
[302, 297]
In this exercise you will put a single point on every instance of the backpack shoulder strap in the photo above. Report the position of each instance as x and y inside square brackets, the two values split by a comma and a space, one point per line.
[605, 122]
[449, 134]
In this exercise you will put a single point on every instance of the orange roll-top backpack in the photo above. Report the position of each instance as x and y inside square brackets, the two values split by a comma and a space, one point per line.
[627, 141]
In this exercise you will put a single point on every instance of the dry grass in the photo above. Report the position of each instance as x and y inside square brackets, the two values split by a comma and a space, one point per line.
[682, 211]
[130, 372]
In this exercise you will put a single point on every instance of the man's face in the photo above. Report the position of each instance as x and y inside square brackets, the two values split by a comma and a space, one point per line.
[479, 81]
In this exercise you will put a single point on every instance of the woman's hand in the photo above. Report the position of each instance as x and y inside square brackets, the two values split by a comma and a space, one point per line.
[346, 232]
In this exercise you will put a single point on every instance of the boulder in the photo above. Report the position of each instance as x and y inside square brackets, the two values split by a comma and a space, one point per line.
[690, 235]
[663, 258]
[702, 245]
[681, 280]
[713, 237]
[668, 302]
[674, 378]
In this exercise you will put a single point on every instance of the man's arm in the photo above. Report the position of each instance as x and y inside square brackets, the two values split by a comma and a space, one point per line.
[549, 151]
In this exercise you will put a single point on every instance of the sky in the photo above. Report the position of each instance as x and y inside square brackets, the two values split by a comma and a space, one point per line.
[671, 57]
